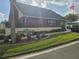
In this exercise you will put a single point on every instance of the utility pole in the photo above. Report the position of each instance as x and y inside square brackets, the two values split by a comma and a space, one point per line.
[12, 20]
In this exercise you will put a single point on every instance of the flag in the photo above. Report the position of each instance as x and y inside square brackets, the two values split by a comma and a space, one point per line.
[72, 6]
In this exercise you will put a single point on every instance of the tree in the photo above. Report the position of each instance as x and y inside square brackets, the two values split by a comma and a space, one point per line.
[71, 17]
[7, 24]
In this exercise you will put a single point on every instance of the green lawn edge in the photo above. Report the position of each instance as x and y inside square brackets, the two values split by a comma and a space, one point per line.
[39, 45]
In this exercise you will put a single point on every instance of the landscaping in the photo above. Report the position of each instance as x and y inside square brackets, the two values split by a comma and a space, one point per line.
[18, 49]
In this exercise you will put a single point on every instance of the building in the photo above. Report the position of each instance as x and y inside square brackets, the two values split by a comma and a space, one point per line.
[2, 26]
[32, 16]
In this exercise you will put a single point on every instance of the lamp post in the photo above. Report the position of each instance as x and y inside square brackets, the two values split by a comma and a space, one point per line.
[12, 18]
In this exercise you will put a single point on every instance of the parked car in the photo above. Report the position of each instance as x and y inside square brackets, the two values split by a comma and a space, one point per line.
[75, 27]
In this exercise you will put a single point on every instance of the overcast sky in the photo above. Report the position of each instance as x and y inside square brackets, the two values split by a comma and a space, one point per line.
[51, 4]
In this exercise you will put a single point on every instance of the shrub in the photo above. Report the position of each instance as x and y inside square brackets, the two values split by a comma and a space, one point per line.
[2, 31]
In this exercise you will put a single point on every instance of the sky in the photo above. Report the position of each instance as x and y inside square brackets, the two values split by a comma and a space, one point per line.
[4, 9]
[59, 6]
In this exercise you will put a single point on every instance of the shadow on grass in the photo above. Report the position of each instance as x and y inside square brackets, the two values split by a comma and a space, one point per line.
[3, 50]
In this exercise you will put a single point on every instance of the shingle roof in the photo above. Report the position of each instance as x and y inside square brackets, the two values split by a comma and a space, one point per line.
[29, 10]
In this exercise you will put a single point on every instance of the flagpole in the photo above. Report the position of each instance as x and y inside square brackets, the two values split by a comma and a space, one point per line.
[72, 7]
[73, 11]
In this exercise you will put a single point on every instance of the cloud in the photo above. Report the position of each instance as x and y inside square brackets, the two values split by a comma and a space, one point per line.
[67, 3]
[3, 17]
[34, 3]
[25, 1]
[44, 3]
[77, 8]
[6, 17]
[68, 13]
[62, 2]
[39, 2]
[1, 14]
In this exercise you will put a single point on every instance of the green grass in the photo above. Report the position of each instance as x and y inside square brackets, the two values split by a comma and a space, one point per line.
[11, 50]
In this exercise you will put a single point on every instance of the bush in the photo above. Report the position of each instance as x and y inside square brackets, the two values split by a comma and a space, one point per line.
[1, 37]
[2, 31]
[50, 31]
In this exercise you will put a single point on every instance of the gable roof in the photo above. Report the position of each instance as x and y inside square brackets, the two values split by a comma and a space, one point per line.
[29, 10]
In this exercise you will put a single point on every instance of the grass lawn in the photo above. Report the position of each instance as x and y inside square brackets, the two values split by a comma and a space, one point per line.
[14, 49]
